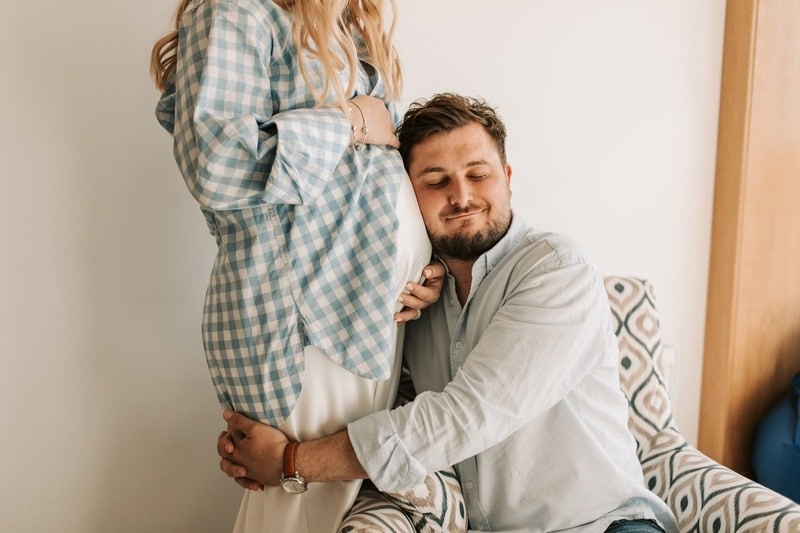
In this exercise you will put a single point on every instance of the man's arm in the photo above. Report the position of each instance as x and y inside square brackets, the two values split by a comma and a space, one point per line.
[329, 458]
[536, 347]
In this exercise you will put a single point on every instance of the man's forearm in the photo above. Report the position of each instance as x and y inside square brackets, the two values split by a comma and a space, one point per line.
[329, 458]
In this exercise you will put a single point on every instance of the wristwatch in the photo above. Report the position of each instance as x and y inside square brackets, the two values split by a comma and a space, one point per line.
[291, 481]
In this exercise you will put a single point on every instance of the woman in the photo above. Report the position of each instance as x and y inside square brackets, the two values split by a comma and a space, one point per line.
[281, 130]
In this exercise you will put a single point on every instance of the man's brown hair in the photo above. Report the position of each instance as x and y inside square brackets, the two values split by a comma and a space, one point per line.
[446, 112]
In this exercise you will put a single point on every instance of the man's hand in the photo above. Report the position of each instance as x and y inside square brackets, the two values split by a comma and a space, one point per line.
[251, 452]
[417, 297]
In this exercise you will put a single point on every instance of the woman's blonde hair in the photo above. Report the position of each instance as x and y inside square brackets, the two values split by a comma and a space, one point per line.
[319, 21]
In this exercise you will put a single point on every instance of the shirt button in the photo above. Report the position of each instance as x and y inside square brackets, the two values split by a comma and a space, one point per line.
[459, 344]
[470, 485]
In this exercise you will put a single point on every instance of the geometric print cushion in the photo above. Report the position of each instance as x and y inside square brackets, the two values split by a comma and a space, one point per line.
[640, 352]
[434, 506]
[373, 511]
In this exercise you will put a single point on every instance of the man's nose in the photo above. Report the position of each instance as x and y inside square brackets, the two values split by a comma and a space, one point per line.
[460, 193]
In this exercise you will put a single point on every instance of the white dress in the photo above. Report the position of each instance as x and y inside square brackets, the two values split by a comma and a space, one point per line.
[331, 397]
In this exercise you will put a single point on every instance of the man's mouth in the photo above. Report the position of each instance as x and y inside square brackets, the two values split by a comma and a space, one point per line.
[464, 214]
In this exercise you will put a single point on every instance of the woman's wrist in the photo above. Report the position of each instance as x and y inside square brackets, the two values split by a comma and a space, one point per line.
[358, 125]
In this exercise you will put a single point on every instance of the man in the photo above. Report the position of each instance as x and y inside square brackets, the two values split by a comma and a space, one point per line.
[516, 366]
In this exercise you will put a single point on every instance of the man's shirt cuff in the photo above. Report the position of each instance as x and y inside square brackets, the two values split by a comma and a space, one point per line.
[383, 455]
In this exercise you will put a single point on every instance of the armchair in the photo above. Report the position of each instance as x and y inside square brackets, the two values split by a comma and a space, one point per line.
[704, 495]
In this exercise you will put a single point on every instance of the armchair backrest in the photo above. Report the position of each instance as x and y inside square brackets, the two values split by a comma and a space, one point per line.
[703, 494]
[636, 325]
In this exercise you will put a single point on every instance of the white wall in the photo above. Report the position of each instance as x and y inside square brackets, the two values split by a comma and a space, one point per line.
[109, 420]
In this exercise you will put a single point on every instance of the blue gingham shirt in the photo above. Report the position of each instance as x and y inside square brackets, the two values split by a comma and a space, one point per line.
[305, 225]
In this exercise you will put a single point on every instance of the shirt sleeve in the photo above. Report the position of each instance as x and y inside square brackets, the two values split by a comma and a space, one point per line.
[231, 147]
[548, 334]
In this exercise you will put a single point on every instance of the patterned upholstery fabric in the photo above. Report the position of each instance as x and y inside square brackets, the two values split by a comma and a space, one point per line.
[372, 511]
[435, 506]
[704, 495]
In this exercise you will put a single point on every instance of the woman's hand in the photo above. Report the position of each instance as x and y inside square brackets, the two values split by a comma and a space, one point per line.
[251, 452]
[417, 296]
[380, 129]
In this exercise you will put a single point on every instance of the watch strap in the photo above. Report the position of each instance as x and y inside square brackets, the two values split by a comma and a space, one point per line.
[289, 456]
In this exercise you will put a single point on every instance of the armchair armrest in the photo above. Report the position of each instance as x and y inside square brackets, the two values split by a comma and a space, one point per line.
[707, 496]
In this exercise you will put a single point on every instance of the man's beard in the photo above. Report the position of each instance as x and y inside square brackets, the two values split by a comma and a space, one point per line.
[469, 246]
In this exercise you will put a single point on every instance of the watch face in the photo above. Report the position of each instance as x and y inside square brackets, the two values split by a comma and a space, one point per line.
[293, 485]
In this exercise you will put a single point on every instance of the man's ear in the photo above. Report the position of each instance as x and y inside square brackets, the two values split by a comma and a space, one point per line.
[508, 174]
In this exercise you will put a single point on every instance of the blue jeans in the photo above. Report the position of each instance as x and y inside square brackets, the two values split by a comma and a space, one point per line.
[634, 526]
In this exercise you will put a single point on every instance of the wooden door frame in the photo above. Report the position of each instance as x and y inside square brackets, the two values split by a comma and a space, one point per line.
[752, 338]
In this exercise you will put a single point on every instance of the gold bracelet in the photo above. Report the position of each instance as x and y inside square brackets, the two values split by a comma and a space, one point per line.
[358, 145]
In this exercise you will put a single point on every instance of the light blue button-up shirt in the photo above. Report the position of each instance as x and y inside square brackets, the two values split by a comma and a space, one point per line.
[519, 389]
[305, 225]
